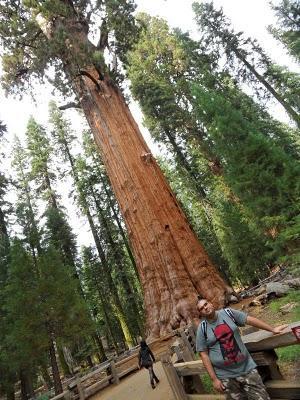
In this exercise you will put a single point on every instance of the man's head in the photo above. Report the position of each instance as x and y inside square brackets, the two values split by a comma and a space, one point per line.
[205, 308]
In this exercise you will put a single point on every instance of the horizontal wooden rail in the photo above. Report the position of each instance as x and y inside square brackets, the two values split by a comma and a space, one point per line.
[64, 395]
[283, 389]
[190, 368]
[206, 397]
[263, 340]
[93, 389]
[126, 360]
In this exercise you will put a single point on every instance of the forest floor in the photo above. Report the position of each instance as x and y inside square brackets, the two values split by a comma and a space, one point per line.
[137, 387]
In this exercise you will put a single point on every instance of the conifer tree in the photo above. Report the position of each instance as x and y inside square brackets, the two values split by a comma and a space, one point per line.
[163, 64]
[8, 375]
[58, 232]
[259, 171]
[174, 268]
[98, 294]
[288, 17]
[246, 58]
[63, 139]
[26, 208]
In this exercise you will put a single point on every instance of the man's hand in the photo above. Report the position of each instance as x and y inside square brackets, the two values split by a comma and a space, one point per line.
[279, 329]
[218, 385]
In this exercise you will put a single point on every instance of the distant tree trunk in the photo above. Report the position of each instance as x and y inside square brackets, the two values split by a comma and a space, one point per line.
[119, 261]
[173, 266]
[27, 391]
[292, 113]
[101, 355]
[90, 361]
[104, 180]
[10, 393]
[46, 376]
[55, 371]
[3, 229]
[105, 267]
[63, 362]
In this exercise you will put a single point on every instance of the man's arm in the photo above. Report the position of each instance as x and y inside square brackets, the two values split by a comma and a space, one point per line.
[218, 385]
[257, 323]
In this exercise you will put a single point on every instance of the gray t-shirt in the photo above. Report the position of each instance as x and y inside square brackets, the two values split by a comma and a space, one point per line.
[228, 354]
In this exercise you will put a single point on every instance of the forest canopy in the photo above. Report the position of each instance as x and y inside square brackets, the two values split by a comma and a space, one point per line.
[218, 210]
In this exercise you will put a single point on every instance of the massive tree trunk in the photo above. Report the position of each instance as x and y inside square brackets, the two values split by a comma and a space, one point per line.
[172, 264]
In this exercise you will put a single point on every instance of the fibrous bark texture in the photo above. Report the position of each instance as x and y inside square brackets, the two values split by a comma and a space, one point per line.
[173, 266]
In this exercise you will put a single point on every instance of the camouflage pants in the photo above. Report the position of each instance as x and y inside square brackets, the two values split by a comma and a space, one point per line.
[246, 387]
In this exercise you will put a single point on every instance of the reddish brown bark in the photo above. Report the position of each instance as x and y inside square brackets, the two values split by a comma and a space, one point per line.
[172, 264]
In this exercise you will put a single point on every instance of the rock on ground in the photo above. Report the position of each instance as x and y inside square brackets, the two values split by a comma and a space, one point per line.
[279, 289]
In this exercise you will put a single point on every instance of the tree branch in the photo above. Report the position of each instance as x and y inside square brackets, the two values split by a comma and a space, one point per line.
[72, 104]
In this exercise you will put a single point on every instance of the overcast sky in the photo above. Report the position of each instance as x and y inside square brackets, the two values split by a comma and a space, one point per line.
[250, 16]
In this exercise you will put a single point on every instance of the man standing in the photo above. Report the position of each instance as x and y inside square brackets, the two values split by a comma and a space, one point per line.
[224, 354]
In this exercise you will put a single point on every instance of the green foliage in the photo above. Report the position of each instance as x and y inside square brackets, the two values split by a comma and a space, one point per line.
[163, 67]
[207, 383]
[287, 30]
[32, 42]
[259, 172]
[289, 354]
[292, 297]
[246, 60]
[40, 303]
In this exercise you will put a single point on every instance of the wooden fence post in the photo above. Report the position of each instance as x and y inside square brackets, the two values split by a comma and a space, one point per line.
[80, 389]
[114, 372]
[187, 345]
[191, 383]
[173, 378]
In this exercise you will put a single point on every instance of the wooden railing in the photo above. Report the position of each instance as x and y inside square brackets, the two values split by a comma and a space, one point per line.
[261, 344]
[110, 372]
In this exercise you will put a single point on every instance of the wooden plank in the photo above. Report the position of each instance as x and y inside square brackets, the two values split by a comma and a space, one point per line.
[283, 389]
[267, 364]
[80, 389]
[114, 372]
[206, 397]
[263, 340]
[190, 368]
[63, 395]
[96, 371]
[93, 389]
[192, 333]
[173, 378]
[125, 360]
[187, 345]
[194, 383]
[178, 352]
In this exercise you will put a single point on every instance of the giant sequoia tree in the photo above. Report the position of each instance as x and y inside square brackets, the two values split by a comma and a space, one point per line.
[36, 35]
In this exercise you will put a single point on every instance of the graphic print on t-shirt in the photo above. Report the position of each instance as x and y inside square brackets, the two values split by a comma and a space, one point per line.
[229, 348]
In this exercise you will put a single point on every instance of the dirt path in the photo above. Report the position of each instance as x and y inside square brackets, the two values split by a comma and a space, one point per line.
[137, 387]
